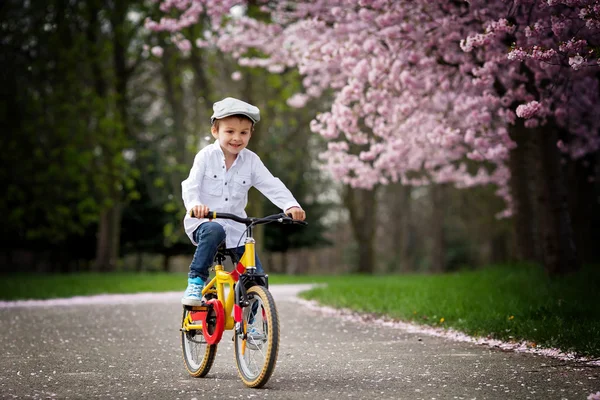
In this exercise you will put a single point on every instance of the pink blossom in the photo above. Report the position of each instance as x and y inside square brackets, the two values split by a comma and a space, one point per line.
[298, 100]
[201, 43]
[532, 123]
[517, 54]
[573, 45]
[184, 45]
[559, 25]
[594, 396]
[416, 82]
[538, 53]
[276, 69]
[576, 62]
[157, 51]
[528, 110]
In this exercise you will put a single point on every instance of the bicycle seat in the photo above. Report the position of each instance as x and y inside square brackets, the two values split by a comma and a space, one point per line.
[223, 252]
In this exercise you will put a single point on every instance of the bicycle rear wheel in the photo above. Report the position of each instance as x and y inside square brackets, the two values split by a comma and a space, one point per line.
[257, 347]
[198, 355]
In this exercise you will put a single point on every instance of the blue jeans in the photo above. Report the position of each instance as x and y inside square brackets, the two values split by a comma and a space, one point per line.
[209, 236]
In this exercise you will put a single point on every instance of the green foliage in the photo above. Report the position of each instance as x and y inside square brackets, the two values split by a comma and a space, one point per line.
[62, 160]
[77, 143]
[47, 151]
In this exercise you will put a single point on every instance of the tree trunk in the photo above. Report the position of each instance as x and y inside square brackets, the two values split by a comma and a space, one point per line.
[107, 248]
[406, 254]
[522, 186]
[109, 226]
[582, 205]
[175, 98]
[397, 222]
[166, 264]
[558, 244]
[362, 206]
[139, 261]
[269, 263]
[438, 212]
[285, 260]
[202, 85]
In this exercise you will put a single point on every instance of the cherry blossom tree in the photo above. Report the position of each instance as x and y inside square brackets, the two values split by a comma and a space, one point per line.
[432, 91]
[548, 85]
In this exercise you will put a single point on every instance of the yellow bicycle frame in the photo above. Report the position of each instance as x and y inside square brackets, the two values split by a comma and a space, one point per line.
[217, 286]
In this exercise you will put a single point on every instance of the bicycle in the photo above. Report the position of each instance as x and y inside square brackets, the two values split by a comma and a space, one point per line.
[255, 321]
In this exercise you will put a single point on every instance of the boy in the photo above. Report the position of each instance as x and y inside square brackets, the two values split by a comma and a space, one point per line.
[220, 178]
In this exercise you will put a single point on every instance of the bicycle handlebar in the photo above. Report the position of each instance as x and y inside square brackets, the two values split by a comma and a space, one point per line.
[281, 218]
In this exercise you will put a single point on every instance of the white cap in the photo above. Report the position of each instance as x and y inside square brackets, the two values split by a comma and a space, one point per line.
[230, 106]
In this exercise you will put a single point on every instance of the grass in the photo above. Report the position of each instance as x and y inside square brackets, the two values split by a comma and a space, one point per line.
[48, 286]
[504, 302]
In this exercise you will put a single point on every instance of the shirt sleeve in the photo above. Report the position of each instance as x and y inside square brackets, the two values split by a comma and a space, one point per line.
[190, 188]
[272, 187]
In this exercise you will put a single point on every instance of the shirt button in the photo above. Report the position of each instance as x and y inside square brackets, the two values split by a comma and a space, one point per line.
[226, 199]
[215, 176]
[225, 183]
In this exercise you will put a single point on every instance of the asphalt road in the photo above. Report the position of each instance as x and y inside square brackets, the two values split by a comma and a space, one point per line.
[129, 348]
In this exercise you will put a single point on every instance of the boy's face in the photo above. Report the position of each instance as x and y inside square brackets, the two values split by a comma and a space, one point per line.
[233, 134]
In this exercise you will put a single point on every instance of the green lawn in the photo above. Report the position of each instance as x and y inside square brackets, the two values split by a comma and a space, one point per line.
[15, 287]
[506, 302]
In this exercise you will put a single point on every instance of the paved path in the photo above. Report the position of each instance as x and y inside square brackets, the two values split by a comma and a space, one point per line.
[128, 347]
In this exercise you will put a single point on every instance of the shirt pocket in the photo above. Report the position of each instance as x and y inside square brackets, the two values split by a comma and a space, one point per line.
[241, 185]
[212, 184]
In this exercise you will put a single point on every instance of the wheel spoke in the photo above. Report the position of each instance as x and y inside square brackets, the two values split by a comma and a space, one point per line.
[198, 355]
[257, 362]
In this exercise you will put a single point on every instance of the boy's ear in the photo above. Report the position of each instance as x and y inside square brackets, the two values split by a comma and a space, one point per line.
[214, 131]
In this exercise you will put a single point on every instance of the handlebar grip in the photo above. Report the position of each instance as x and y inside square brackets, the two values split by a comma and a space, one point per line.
[296, 221]
[209, 215]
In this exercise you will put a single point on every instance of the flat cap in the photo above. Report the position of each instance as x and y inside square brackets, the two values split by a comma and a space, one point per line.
[230, 106]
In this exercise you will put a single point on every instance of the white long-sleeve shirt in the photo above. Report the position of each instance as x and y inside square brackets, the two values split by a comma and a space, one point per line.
[222, 190]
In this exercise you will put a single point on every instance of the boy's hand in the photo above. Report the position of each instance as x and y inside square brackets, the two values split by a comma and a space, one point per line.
[200, 211]
[297, 213]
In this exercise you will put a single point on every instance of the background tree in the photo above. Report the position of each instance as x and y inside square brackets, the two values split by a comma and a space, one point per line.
[58, 133]
[424, 86]
[101, 118]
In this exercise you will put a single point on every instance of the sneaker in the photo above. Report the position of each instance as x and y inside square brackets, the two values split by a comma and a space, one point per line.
[193, 293]
[255, 338]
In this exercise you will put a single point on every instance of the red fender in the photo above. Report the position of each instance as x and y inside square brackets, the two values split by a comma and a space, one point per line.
[219, 327]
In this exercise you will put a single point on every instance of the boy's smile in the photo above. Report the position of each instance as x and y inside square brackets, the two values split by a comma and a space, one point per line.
[233, 134]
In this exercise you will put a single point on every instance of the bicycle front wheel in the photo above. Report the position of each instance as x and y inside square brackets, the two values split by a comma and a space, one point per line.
[198, 355]
[257, 346]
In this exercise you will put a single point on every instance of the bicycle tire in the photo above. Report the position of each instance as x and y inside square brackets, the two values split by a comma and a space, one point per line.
[256, 356]
[198, 355]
